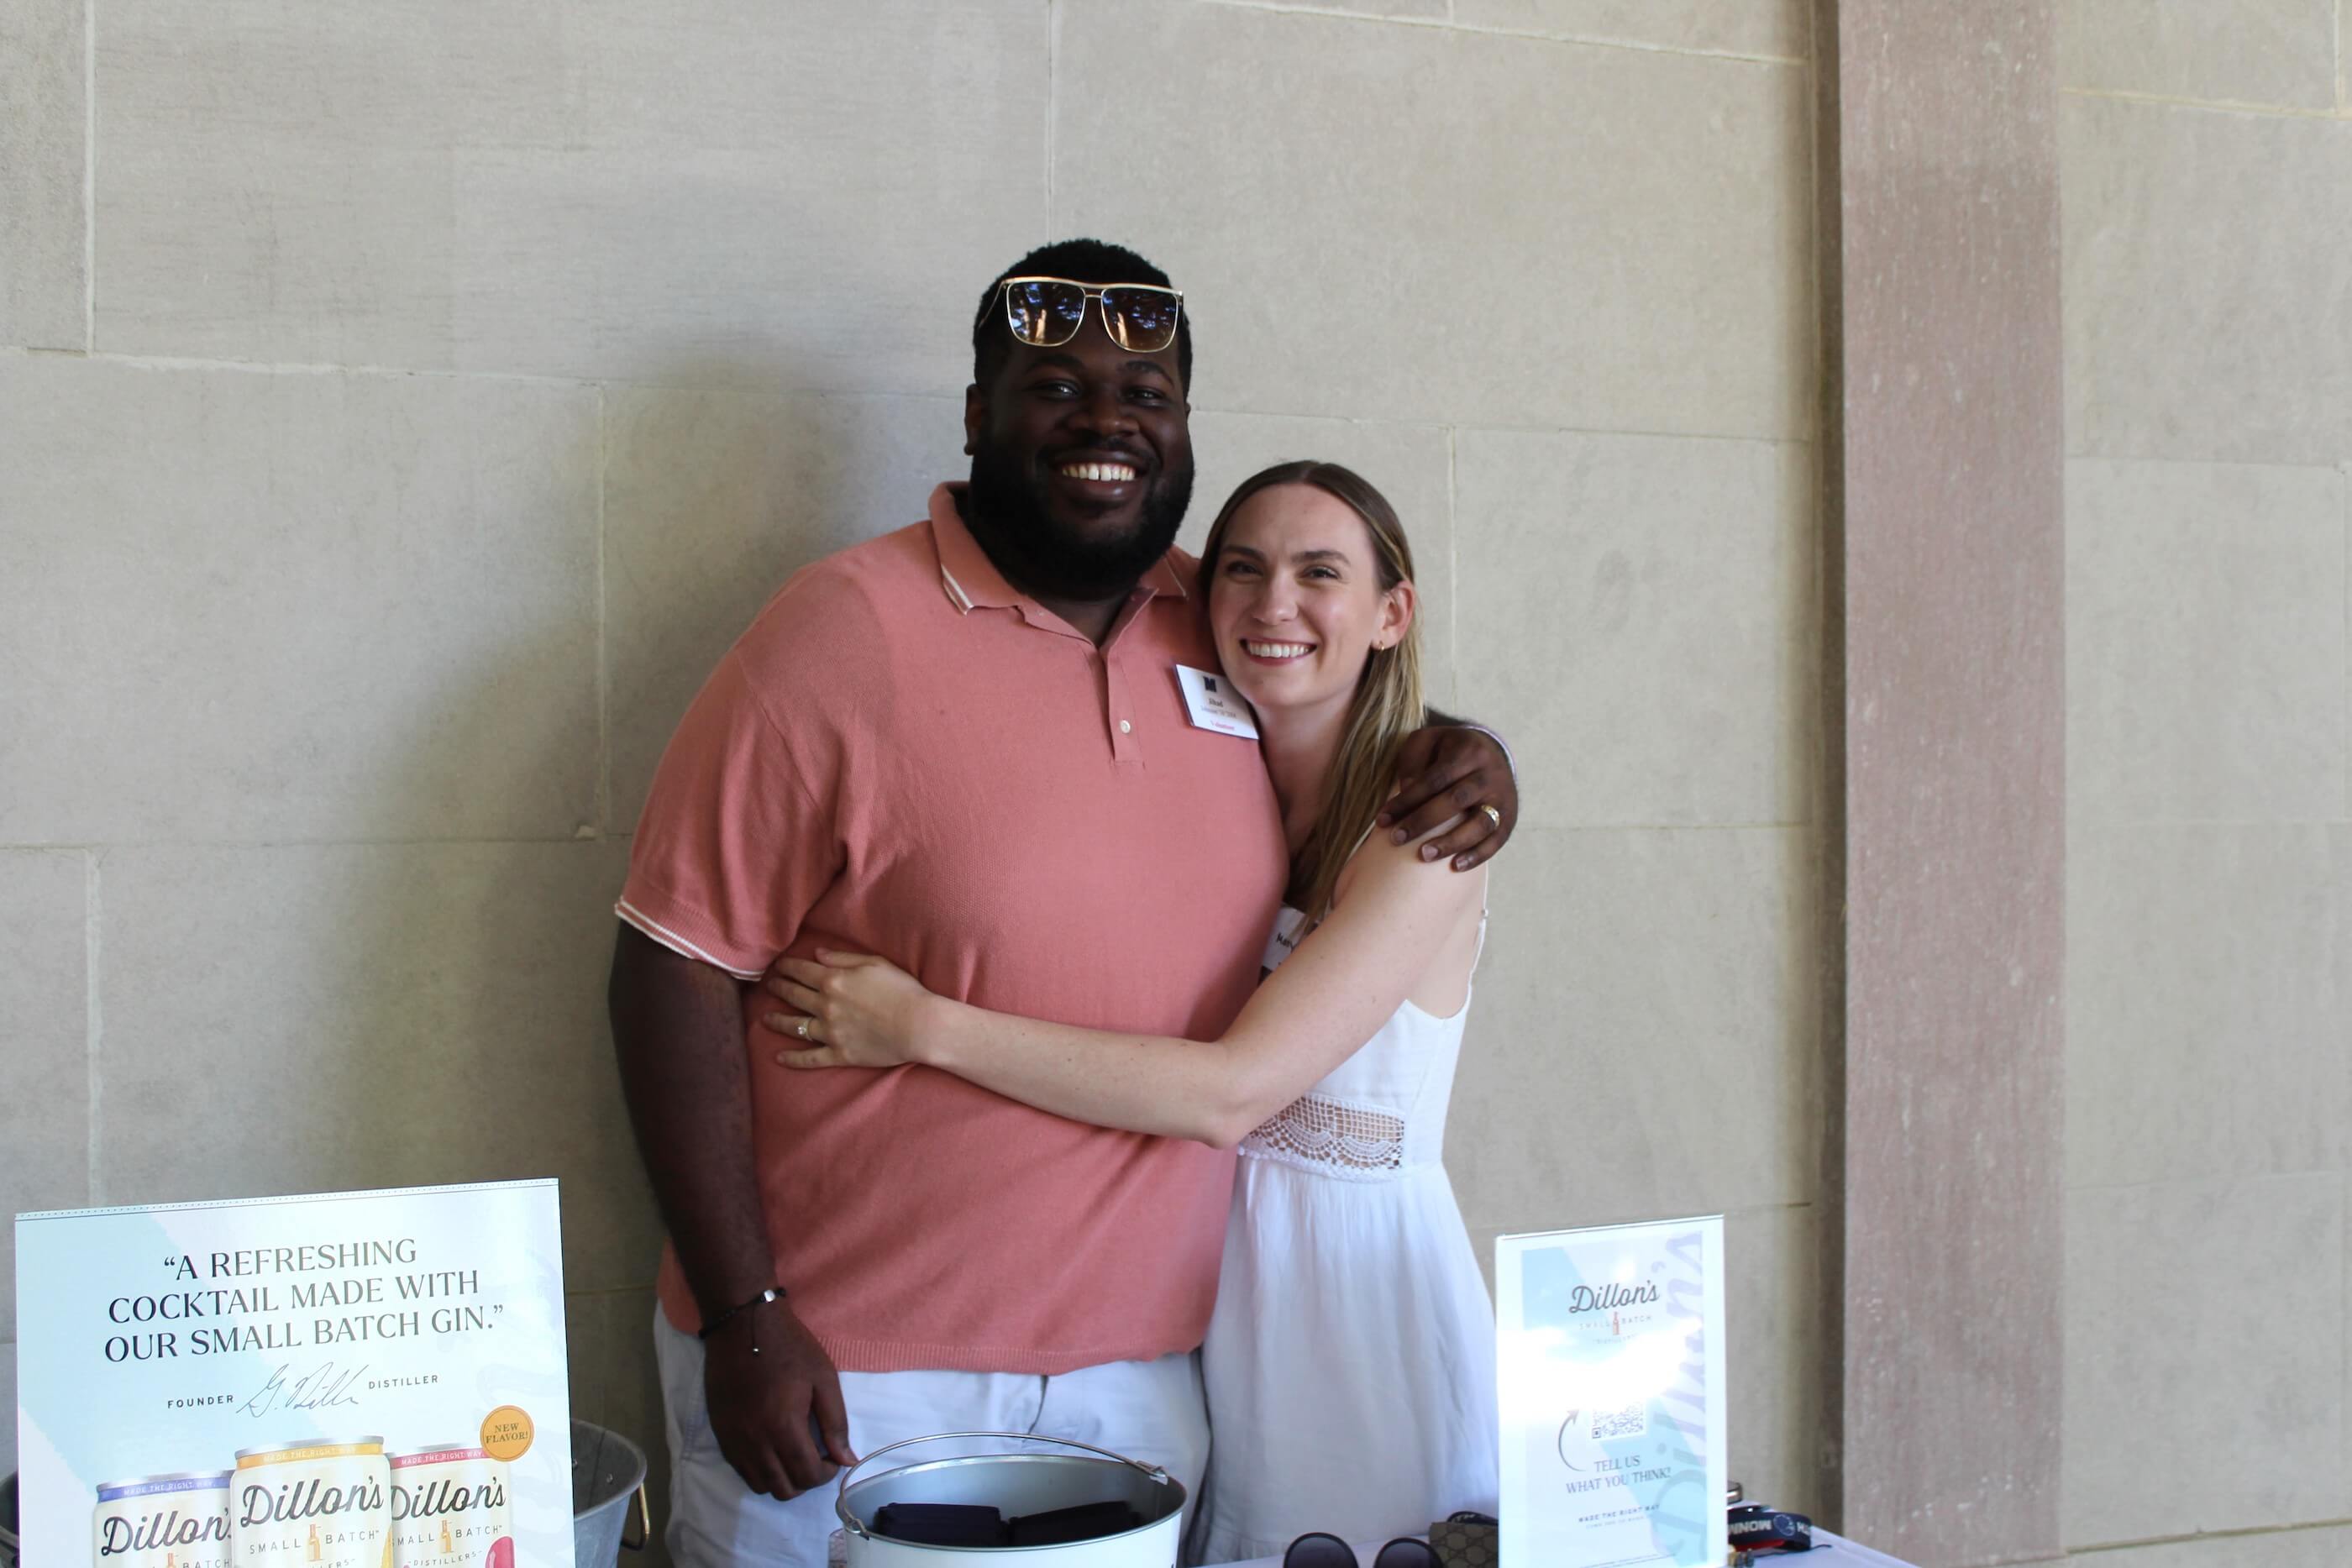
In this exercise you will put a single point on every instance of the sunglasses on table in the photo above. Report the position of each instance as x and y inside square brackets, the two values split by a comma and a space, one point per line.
[1318, 1550]
[1046, 312]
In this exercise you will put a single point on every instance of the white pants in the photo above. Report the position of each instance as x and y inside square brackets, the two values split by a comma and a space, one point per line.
[1147, 1410]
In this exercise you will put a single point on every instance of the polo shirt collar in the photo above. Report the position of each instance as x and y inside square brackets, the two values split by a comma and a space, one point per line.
[972, 582]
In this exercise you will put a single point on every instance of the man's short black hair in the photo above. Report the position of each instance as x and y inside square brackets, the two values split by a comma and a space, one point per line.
[1081, 261]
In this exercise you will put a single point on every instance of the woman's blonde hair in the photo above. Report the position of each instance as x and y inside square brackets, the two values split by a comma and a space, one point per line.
[1388, 704]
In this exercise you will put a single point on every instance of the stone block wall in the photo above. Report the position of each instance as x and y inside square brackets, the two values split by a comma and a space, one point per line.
[402, 407]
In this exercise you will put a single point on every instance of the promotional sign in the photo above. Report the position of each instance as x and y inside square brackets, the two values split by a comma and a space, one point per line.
[1610, 1343]
[350, 1380]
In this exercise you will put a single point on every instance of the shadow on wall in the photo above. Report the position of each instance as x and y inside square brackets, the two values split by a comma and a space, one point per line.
[469, 979]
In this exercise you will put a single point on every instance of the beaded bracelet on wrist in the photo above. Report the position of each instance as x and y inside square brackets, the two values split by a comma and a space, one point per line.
[713, 1324]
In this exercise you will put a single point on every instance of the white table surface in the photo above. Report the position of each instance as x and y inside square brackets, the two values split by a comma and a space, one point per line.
[1829, 1552]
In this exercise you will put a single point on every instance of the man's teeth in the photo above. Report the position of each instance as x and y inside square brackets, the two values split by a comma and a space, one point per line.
[1279, 650]
[1110, 473]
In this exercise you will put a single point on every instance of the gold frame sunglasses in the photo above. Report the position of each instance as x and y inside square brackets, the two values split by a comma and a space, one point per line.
[1046, 312]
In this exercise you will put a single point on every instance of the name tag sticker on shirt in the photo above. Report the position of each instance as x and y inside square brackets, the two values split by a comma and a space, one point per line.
[1212, 704]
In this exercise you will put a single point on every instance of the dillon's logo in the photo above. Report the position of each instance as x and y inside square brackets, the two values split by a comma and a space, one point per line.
[446, 1496]
[1608, 1297]
[167, 1529]
[312, 1498]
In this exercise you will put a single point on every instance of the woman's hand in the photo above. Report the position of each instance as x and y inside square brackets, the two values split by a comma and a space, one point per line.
[855, 1011]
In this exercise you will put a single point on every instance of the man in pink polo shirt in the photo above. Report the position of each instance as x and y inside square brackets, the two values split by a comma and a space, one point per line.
[963, 746]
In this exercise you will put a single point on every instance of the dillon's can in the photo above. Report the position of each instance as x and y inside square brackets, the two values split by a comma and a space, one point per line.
[163, 1521]
[325, 1503]
[449, 1510]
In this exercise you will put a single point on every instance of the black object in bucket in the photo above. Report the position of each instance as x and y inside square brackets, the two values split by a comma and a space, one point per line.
[1086, 1521]
[941, 1523]
[977, 1524]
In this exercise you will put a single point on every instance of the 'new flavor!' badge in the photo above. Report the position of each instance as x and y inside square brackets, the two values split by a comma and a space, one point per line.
[1212, 704]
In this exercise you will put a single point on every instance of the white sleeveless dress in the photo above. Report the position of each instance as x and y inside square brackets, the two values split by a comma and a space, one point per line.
[1350, 1359]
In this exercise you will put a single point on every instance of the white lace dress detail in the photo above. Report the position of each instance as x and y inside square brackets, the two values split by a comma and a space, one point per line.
[1354, 1142]
[1350, 1357]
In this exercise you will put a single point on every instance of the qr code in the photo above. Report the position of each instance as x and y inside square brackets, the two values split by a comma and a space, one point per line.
[1633, 1421]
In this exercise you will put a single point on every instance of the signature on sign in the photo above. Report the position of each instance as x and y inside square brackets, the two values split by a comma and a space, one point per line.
[320, 1388]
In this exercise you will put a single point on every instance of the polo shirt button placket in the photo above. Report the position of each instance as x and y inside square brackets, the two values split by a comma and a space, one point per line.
[1118, 707]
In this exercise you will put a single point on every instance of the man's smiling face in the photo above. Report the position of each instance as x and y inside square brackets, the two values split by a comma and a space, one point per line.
[1081, 463]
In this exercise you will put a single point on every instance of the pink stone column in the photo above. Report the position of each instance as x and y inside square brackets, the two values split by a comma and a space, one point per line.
[1943, 567]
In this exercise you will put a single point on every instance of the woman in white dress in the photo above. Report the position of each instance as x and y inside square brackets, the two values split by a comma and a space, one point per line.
[1350, 1359]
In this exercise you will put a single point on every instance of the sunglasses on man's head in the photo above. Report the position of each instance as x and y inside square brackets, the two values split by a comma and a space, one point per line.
[1046, 312]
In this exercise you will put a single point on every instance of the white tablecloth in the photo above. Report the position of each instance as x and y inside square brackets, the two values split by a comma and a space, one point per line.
[1829, 1552]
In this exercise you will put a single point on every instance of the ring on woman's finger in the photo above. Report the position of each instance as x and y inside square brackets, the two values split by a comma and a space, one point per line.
[801, 1028]
[1492, 815]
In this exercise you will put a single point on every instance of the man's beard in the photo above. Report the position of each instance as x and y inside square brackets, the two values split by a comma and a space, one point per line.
[1006, 512]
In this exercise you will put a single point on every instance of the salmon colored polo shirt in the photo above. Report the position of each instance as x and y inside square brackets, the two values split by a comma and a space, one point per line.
[906, 755]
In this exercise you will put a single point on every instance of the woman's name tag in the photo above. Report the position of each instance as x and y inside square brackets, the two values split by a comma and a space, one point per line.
[1212, 704]
[1289, 931]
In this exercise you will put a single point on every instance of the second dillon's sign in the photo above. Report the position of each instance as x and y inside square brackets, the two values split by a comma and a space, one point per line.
[1612, 1397]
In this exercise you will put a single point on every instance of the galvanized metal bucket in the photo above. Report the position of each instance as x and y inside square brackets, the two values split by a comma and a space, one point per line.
[608, 1473]
[1016, 1483]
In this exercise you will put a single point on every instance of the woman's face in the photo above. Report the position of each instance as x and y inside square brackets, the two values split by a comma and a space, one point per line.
[1297, 605]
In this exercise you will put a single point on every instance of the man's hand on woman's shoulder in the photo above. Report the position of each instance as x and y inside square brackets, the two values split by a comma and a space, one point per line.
[1449, 770]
